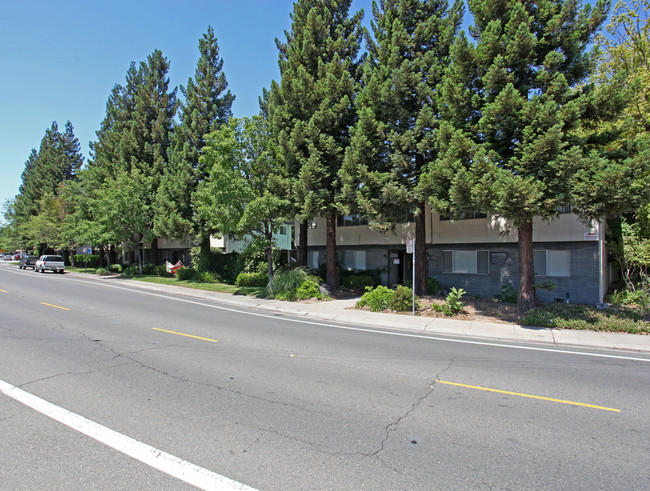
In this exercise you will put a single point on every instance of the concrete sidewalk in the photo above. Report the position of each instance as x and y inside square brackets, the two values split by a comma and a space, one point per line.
[343, 311]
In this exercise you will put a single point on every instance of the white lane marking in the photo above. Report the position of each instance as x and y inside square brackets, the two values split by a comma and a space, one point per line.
[178, 468]
[363, 329]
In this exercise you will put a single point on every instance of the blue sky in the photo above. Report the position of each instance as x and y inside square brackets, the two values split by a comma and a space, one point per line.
[59, 59]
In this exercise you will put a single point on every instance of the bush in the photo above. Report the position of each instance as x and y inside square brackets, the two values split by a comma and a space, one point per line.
[454, 305]
[402, 300]
[377, 299]
[308, 289]
[131, 270]
[207, 277]
[102, 271]
[432, 286]
[508, 294]
[227, 266]
[187, 274]
[252, 279]
[86, 260]
[358, 281]
[115, 268]
[292, 284]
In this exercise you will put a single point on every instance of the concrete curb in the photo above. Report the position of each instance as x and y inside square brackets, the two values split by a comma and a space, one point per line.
[342, 311]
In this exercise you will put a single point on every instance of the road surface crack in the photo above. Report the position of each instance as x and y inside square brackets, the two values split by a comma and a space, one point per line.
[393, 426]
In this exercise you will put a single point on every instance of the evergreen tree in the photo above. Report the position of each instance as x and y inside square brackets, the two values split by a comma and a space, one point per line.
[395, 137]
[206, 107]
[135, 135]
[312, 109]
[513, 103]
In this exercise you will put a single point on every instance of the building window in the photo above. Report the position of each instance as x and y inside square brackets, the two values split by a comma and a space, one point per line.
[466, 215]
[469, 262]
[350, 220]
[283, 230]
[354, 260]
[552, 263]
[312, 259]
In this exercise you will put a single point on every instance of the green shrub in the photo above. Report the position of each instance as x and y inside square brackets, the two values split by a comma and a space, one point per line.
[432, 286]
[286, 283]
[402, 300]
[454, 305]
[115, 268]
[208, 277]
[102, 271]
[86, 260]
[377, 299]
[308, 289]
[252, 279]
[359, 280]
[187, 274]
[131, 270]
[508, 294]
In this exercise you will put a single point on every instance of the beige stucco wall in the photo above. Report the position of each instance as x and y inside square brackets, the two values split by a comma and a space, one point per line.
[495, 229]
[474, 231]
[358, 234]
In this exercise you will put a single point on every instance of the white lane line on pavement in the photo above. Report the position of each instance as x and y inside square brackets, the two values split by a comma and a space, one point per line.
[363, 329]
[178, 468]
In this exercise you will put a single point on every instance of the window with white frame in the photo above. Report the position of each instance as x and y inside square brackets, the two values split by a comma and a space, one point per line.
[469, 262]
[552, 263]
[354, 260]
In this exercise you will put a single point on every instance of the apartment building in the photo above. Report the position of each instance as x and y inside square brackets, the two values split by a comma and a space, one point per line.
[478, 253]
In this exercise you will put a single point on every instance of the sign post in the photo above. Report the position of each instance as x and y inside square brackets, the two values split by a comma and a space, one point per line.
[410, 249]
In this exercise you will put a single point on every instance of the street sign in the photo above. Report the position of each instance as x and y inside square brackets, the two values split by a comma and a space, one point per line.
[409, 246]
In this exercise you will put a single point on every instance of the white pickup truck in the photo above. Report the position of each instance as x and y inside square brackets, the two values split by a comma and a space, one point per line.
[50, 263]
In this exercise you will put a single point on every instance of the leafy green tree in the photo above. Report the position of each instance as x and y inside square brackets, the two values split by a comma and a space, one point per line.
[617, 180]
[135, 136]
[207, 106]
[396, 135]
[312, 109]
[123, 210]
[513, 103]
[240, 197]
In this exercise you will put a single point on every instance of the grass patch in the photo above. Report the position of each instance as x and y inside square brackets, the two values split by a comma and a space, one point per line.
[573, 316]
[197, 285]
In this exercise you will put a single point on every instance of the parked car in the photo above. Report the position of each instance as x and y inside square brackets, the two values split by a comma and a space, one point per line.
[27, 262]
[50, 263]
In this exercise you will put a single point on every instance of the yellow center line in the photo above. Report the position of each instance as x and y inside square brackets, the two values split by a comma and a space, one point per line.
[55, 306]
[573, 403]
[4, 291]
[186, 335]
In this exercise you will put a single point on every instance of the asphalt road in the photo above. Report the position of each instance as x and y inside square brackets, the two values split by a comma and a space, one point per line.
[273, 402]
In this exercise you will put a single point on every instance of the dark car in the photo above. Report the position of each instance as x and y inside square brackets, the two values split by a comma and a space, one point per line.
[27, 262]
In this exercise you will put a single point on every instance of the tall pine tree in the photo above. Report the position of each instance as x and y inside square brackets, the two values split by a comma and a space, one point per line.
[513, 103]
[206, 107]
[312, 109]
[395, 137]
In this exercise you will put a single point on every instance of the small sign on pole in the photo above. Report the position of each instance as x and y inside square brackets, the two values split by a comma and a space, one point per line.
[410, 249]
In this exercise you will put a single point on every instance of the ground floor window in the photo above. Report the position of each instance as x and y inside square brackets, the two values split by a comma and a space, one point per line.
[552, 263]
[312, 259]
[469, 262]
[354, 260]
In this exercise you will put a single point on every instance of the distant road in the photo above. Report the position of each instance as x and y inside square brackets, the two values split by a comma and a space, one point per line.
[104, 386]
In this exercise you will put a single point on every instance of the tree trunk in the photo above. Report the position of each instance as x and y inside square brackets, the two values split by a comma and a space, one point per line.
[302, 243]
[526, 299]
[155, 252]
[420, 252]
[204, 254]
[331, 277]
